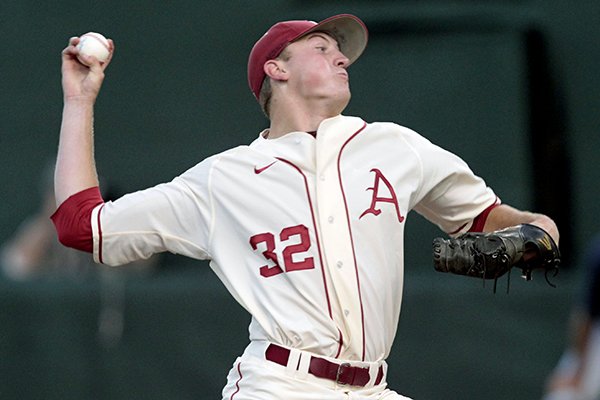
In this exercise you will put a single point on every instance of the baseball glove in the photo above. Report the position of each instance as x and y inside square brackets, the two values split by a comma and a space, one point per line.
[493, 254]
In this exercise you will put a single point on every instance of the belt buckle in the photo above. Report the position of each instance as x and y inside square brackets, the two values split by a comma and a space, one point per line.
[339, 373]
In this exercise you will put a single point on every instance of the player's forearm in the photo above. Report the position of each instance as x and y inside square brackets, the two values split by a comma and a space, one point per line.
[75, 165]
[504, 216]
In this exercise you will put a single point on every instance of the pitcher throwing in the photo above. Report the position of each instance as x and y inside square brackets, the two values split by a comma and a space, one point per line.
[304, 226]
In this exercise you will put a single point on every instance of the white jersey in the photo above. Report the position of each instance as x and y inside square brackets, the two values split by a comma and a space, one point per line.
[306, 233]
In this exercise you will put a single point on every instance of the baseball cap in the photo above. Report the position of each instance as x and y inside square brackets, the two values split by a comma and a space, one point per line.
[350, 32]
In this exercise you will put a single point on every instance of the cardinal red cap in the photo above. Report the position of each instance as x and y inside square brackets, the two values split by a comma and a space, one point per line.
[350, 32]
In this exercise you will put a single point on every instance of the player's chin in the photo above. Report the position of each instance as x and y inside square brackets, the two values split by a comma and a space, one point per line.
[342, 90]
[341, 95]
[345, 96]
[340, 105]
[338, 96]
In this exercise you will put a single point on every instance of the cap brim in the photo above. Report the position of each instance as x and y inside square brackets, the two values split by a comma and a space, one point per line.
[349, 31]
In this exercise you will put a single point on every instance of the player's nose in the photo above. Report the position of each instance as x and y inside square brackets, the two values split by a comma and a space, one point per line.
[341, 60]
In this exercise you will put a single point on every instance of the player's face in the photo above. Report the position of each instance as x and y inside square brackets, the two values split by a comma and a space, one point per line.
[317, 69]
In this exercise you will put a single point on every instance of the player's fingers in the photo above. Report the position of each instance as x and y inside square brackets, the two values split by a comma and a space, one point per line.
[93, 63]
[72, 45]
[69, 55]
[71, 49]
[111, 51]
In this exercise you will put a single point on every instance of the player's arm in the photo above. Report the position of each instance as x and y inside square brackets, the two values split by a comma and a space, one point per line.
[504, 216]
[76, 188]
[510, 238]
[75, 166]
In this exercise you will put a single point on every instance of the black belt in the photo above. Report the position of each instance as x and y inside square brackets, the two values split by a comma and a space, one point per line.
[344, 374]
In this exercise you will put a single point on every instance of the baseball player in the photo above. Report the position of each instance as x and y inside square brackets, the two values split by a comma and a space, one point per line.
[304, 226]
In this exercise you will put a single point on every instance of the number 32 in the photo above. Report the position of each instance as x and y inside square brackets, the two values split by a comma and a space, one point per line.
[288, 252]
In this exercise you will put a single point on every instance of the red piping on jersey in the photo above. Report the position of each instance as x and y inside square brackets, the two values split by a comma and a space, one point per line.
[312, 213]
[459, 228]
[237, 383]
[362, 313]
[100, 236]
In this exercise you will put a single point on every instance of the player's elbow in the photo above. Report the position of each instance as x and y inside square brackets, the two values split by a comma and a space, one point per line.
[72, 220]
[74, 240]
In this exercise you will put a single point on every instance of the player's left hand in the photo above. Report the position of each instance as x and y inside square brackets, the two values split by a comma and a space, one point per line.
[491, 255]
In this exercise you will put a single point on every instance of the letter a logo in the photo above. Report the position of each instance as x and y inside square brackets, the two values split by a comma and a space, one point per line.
[376, 198]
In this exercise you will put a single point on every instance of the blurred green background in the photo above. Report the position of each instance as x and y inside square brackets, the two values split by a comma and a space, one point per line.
[511, 86]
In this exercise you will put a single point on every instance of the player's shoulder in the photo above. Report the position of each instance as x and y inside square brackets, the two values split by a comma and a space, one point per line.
[395, 131]
[236, 154]
[198, 176]
[227, 160]
[391, 128]
[232, 153]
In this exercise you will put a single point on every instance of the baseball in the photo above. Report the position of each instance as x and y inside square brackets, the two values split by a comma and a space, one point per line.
[93, 44]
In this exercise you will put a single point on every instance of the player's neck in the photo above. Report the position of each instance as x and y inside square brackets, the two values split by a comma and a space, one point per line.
[294, 117]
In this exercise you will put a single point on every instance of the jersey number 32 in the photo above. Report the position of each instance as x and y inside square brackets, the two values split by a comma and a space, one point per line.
[300, 239]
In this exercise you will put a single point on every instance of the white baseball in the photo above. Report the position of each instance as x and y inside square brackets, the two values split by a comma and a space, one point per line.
[93, 44]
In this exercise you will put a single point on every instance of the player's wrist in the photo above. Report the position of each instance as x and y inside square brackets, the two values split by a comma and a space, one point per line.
[547, 224]
[79, 100]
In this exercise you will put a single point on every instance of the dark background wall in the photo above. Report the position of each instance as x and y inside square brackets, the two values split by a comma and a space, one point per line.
[511, 86]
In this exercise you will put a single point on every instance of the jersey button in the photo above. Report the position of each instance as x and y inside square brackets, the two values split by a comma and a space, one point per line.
[330, 219]
[339, 264]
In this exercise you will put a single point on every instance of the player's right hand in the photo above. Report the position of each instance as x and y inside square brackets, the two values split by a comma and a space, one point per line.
[79, 81]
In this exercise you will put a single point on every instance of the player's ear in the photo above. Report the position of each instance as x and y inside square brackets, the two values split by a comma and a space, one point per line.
[274, 69]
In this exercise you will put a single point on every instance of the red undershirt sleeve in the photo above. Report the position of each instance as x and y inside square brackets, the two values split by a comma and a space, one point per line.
[72, 219]
[479, 221]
